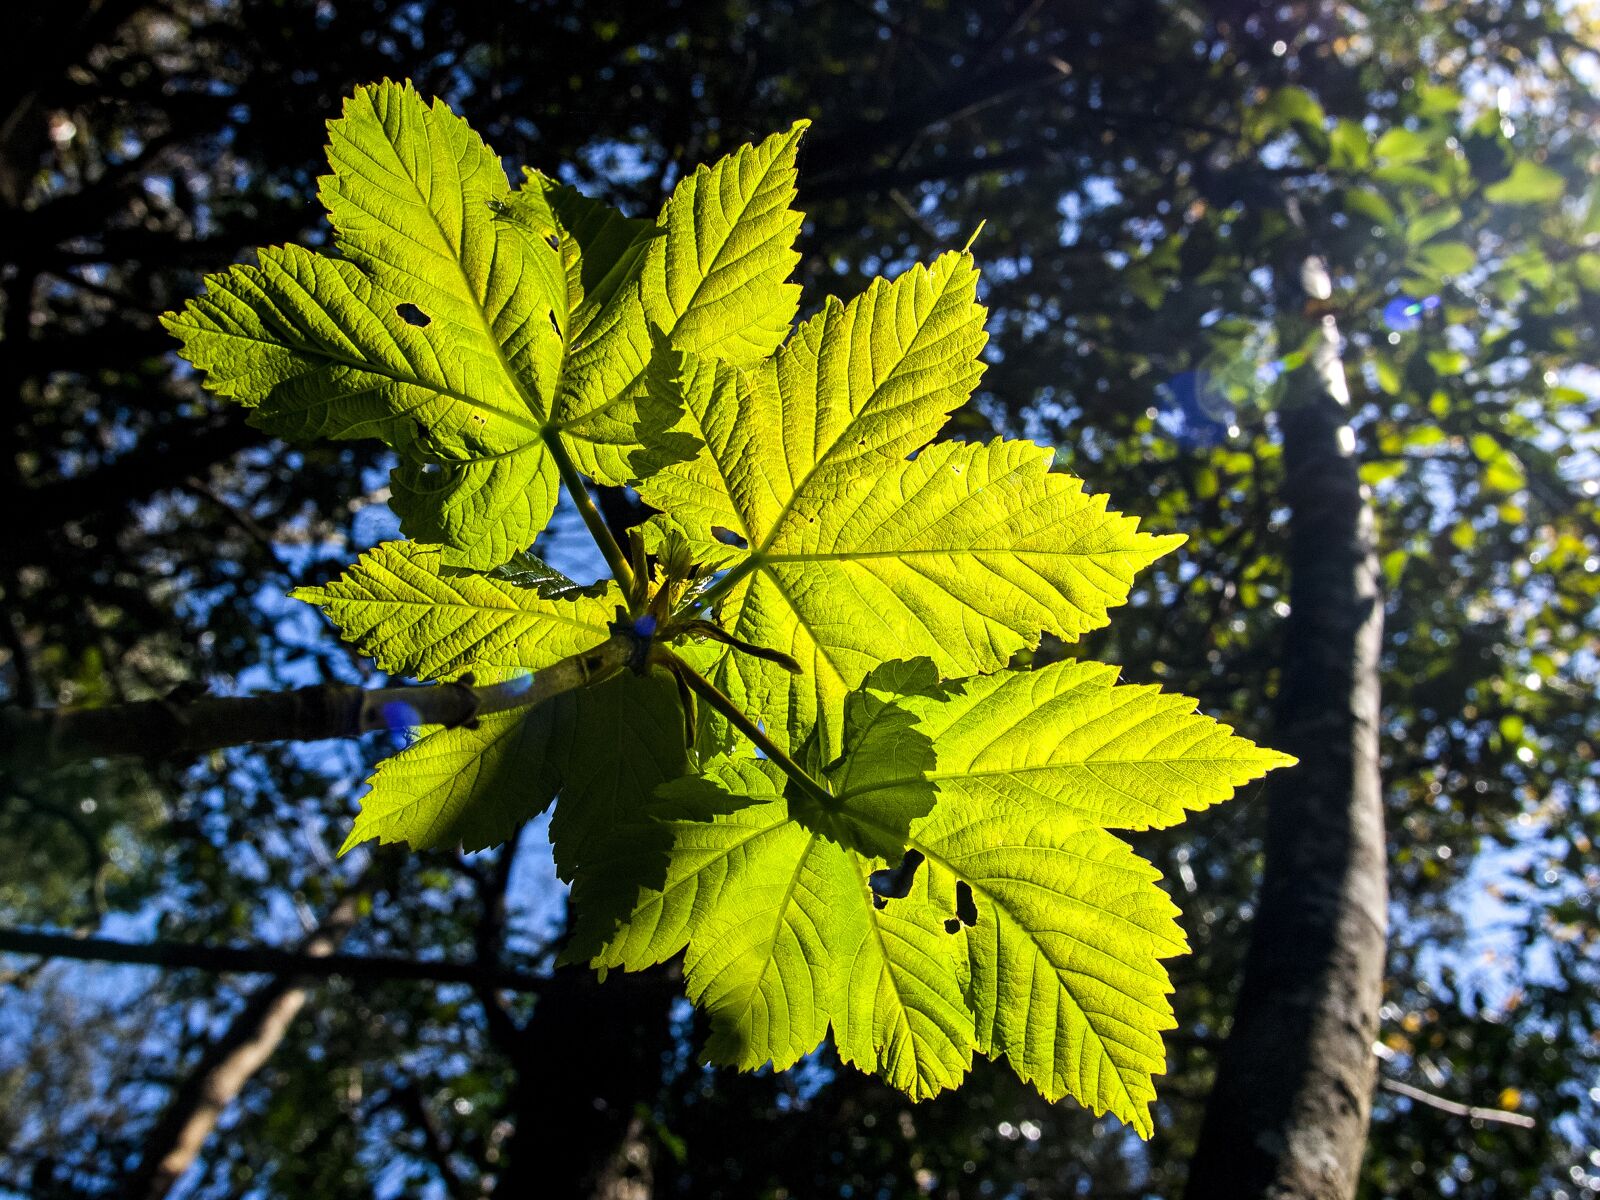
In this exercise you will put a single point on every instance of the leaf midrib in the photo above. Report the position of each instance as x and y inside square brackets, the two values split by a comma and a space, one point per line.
[625, 392]
[474, 301]
[799, 488]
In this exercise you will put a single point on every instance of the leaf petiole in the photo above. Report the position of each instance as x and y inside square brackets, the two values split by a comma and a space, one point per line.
[724, 704]
[621, 571]
[708, 599]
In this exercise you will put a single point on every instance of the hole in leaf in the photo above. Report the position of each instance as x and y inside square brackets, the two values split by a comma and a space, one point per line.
[728, 537]
[966, 907]
[412, 315]
[894, 883]
[554, 324]
[552, 241]
[952, 925]
[431, 470]
[879, 903]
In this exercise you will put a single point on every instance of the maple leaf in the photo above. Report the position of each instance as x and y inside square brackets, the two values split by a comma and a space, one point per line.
[844, 544]
[1055, 964]
[465, 325]
[473, 786]
[922, 861]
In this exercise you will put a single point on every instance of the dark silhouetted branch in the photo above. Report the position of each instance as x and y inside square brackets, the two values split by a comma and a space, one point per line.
[265, 960]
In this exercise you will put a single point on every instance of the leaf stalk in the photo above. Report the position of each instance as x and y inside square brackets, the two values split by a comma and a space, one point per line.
[708, 599]
[621, 570]
[724, 704]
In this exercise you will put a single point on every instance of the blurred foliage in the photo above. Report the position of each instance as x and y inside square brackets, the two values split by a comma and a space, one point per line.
[1145, 169]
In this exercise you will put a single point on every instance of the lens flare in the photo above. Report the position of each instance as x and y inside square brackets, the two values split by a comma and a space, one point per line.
[397, 714]
[1404, 313]
[1194, 410]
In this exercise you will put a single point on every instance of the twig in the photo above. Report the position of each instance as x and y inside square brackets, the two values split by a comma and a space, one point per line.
[1494, 1116]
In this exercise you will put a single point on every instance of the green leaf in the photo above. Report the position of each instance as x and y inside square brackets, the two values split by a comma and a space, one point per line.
[399, 605]
[713, 281]
[1401, 145]
[1060, 971]
[1430, 224]
[1291, 108]
[939, 878]
[1349, 146]
[1069, 737]
[1528, 183]
[964, 553]
[1448, 258]
[420, 335]
[1065, 954]
[473, 787]
[783, 939]
[460, 787]
[465, 324]
[1372, 206]
[1409, 175]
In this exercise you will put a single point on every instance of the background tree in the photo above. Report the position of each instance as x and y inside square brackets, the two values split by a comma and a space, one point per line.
[1141, 166]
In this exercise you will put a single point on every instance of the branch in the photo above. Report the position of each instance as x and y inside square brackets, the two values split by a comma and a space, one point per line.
[1494, 1116]
[41, 738]
[265, 960]
[227, 1065]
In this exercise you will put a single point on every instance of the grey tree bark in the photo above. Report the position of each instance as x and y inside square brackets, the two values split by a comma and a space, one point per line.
[38, 739]
[1287, 1116]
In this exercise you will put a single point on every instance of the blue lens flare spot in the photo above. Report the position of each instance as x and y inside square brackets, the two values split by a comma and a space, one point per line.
[645, 626]
[1194, 411]
[397, 714]
[1404, 313]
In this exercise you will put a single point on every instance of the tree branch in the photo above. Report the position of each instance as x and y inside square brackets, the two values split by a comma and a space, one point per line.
[41, 738]
[228, 1064]
[265, 960]
[1494, 1116]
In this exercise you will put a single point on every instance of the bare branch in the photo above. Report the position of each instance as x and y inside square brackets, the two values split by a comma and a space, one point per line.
[35, 739]
[1494, 1116]
[228, 1064]
[265, 960]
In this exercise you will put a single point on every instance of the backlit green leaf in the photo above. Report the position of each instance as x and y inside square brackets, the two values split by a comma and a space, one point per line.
[1528, 183]
[465, 323]
[1060, 971]
[964, 553]
[397, 606]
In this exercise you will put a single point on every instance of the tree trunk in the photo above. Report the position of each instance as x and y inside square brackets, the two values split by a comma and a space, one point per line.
[1287, 1116]
[226, 1066]
[587, 1063]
